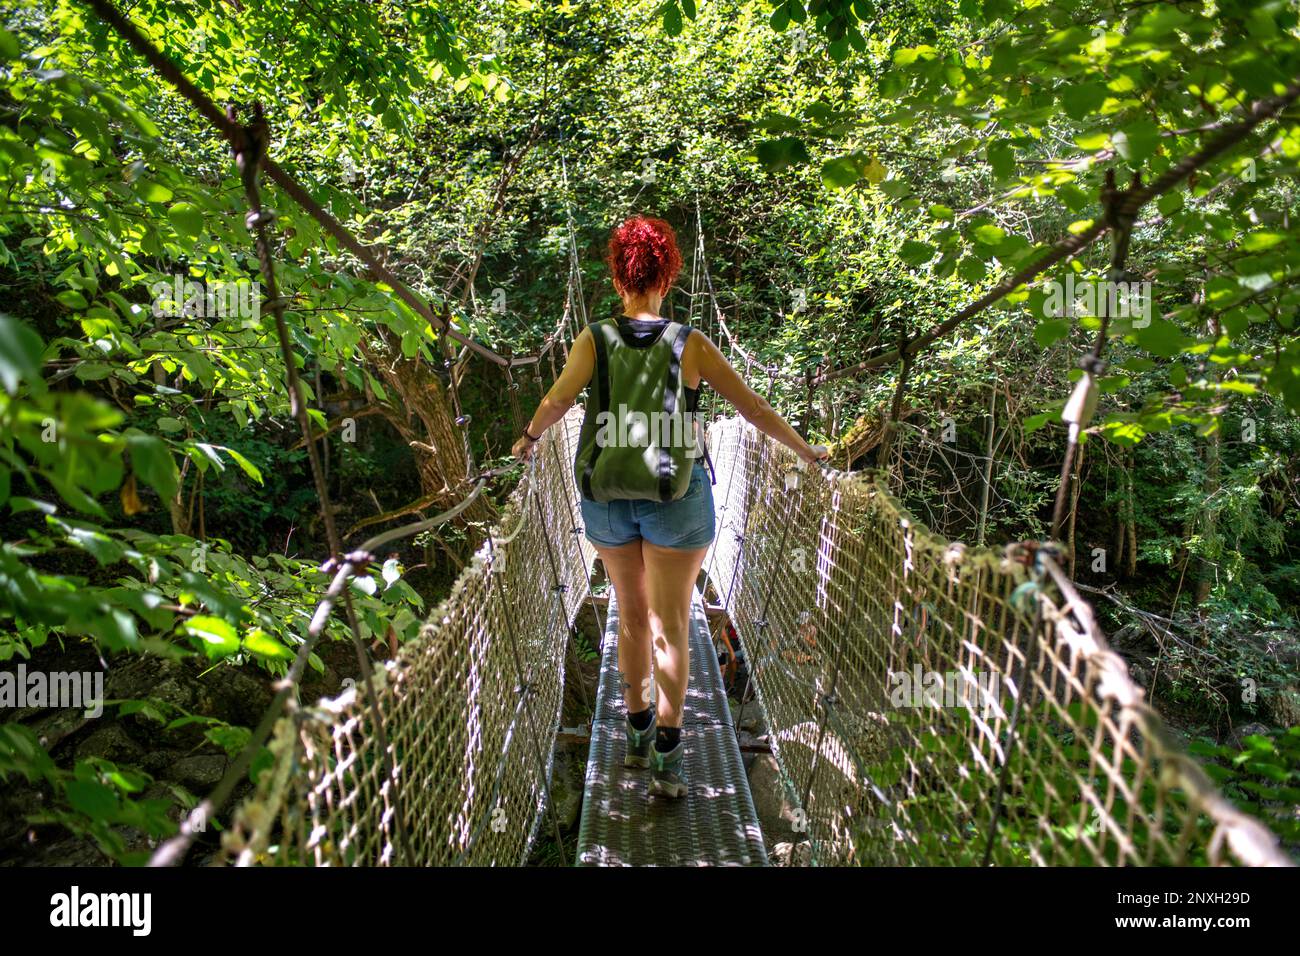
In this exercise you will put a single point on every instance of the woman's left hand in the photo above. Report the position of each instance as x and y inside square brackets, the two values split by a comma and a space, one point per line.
[815, 453]
[523, 449]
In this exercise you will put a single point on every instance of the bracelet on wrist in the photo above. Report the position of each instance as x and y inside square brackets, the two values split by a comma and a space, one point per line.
[531, 438]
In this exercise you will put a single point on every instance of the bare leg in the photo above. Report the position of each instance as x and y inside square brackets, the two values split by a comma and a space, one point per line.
[626, 570]
[670, 575]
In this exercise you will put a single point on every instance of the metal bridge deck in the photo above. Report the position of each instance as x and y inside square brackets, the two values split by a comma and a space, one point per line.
[715, 823]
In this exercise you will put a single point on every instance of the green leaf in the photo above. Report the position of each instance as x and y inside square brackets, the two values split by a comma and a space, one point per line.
[73, 299]
[93, 799]
[263, 645]
[9, 49]
[1074, 198]
[1003, 159]
[1259, 241]
[777, 154]
[1161, 338]
[218, 636]
[840, 172]
[1051, 330]
[1159, 23]
[998, 10]
[188, 220]
[1080, 99]
[1092, 141]
[1137, 141]
[20, 354]
[673, 20]
[1035, 422]
[151, 191]
[895, 188]
[251, 470]
[972, 269]
[263, 761]
[1170, 203]
[1127, 433]
[99, 545]
[151, 459]
[779, 123]
[916, 253]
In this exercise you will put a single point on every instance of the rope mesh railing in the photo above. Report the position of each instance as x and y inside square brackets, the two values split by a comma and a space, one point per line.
[475, 703]
[471, 708]
[934, 704]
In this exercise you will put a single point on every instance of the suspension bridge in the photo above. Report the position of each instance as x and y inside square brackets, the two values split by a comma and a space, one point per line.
[929, 703]
[1049, 754]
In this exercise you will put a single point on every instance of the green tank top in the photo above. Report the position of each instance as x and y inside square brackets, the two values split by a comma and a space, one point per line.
[639, 439]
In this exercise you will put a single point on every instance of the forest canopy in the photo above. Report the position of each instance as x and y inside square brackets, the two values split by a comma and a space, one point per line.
[851, 176]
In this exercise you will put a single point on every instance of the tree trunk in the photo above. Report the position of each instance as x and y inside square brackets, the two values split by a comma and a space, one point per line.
[421, 411]
[1130, 514]
[1205, 580]
[1075, 488]
[988, 465]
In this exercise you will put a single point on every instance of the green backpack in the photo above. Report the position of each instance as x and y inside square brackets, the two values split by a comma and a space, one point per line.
[638, 442]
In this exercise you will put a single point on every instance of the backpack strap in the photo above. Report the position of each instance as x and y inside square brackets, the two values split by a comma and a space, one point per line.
[679, 334]
[601, 382]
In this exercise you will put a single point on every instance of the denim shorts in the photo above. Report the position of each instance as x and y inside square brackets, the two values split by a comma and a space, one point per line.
[685, 523]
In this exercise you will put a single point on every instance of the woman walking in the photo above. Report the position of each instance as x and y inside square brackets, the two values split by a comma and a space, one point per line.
[647, 501]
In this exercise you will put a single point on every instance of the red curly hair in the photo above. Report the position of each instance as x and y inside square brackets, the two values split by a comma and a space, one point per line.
[643, 255]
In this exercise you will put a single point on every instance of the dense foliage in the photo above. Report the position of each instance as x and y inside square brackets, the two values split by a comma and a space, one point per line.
[860, 171]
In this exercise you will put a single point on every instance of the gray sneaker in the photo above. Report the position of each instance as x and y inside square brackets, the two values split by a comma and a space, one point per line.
[667, 780]
[639, 743]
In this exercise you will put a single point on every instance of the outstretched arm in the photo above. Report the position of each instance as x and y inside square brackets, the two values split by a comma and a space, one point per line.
[573, 379]
[717, 371]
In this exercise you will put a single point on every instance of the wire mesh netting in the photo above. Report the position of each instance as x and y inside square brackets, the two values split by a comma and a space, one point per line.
[934, 704]
[471, 710]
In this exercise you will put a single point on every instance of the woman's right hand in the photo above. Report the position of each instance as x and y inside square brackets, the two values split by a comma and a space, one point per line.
[523, 448]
